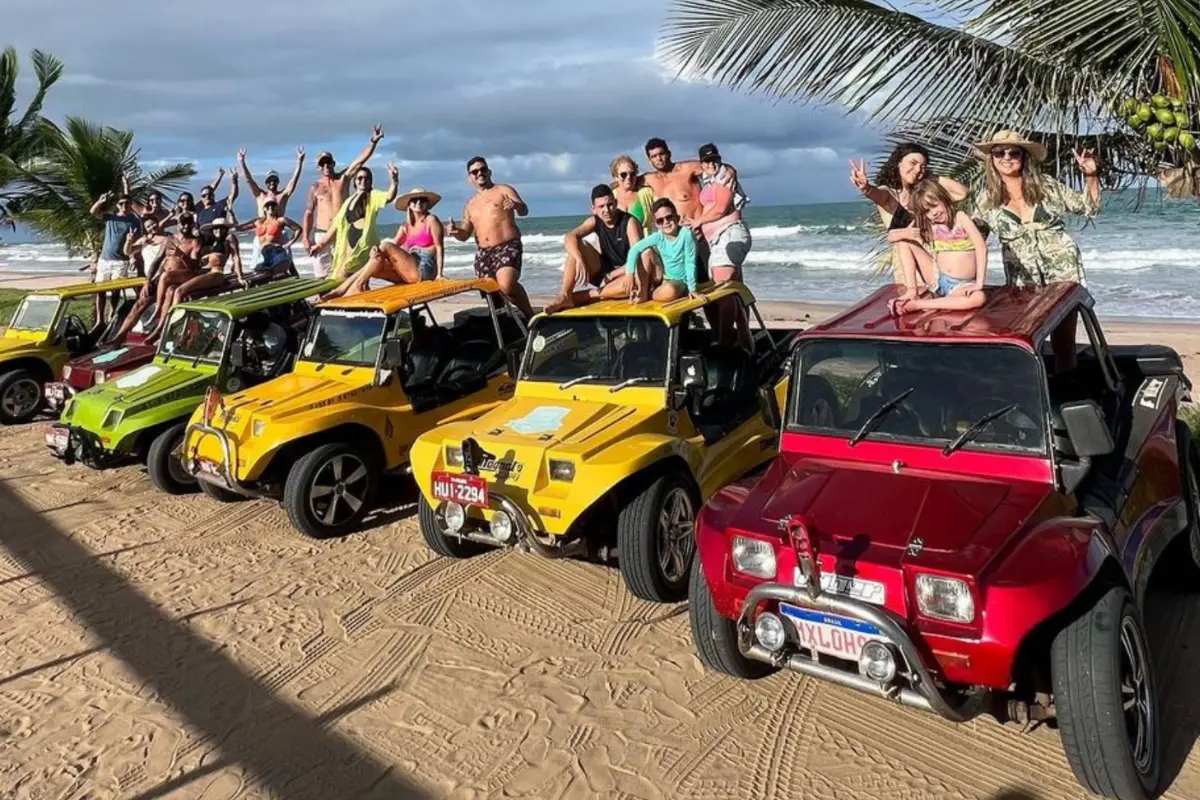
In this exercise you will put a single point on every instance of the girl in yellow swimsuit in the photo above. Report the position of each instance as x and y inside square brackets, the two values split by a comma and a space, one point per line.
[959, 253]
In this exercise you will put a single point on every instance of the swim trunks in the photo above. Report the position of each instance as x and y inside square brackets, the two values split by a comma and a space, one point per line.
[490, 260]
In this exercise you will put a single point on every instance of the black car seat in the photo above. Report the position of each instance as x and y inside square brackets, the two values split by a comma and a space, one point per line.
[641, 359]
[727, 394]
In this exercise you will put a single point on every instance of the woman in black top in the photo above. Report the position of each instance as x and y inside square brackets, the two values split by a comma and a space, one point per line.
[907, 165]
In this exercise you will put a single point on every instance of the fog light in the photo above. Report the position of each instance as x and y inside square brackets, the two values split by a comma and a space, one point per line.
[768, 630]
[502, 526]
[455, 516]
[454, 456]
[877, 662]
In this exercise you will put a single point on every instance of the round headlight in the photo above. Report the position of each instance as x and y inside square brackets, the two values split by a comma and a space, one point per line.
[455, 516]
[502, 526]
[877, 662]
[768, 630]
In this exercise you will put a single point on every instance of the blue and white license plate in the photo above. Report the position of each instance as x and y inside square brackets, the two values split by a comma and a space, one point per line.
[831, 634]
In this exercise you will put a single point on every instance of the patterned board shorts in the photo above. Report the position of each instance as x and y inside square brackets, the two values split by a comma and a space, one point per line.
[490, 260]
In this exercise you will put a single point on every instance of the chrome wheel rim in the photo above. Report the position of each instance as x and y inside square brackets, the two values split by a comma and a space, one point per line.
[22, 397]
[676, 524]
[338, 490]
[1137, 703]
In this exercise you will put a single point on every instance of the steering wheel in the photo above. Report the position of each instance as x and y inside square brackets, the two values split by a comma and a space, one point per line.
[76, 326]
[1018, 426]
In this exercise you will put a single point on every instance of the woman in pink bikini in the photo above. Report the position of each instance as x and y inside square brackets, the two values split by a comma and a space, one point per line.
[416, 253]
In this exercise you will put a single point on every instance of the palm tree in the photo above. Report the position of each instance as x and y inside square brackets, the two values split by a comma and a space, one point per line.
[60, 184]
[1057, 69]
[25, 136]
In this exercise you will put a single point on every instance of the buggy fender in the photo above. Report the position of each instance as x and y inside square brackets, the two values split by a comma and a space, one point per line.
[1050, 568]
[712, 546]
[614, 465]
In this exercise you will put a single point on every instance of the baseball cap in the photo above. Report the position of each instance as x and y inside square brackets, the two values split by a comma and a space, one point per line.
[272, 174]
[325, 156]
[708, 152]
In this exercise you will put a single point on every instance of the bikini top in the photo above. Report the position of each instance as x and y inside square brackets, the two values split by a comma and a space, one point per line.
[417, 239]
[947, 240]
[268, 229]
[900, 219]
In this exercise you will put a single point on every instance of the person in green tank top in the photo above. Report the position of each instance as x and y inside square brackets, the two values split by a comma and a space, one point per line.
[633, 195]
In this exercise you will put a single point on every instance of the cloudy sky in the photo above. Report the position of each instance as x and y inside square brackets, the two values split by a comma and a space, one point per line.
[549, 91]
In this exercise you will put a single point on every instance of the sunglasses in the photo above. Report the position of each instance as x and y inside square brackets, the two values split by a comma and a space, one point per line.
[361, 179]
[1007, 152]
[665, 219]
[418, 200]
[478, 171]
[626, 174]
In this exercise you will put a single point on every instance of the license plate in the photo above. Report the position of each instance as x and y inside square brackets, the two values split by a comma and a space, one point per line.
[56, 392]
[847, 586]
[830, 634]
[469, 490]
[58, 439]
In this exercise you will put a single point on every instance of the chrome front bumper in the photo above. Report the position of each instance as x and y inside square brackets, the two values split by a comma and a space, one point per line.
[524, 536]
[224, 475]
[922, 691]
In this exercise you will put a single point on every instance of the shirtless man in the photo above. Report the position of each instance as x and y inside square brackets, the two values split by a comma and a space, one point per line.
[326, 197]
[489, 216]
[271, 192]
[679, 181]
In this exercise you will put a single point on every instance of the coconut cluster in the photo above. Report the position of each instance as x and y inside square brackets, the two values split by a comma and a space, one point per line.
[1162, 120]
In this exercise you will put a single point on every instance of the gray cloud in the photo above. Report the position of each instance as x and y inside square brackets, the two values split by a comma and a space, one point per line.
[548, 91]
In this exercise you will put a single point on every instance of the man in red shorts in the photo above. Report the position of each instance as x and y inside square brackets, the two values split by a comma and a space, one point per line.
[490, 216]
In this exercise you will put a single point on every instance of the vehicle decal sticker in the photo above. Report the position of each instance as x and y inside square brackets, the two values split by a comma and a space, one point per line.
[539, 343]
[138, 377]
[543, 419]
[104, 358]
[1151, 392]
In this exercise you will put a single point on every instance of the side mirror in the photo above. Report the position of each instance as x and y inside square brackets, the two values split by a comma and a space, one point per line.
[514, 363]
[1086, 427]
[692, 372]
[768, 407]
[393, 353]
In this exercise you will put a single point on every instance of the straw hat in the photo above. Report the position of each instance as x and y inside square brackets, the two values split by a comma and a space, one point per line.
[403, 200]
[1037, 151]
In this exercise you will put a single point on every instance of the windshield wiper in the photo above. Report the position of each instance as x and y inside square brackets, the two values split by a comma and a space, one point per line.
[973, 431]
[580, 379]
[876, 419]
[631, 382]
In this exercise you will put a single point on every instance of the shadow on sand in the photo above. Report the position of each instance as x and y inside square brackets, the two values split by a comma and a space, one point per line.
[1173, 628]
[286, 750]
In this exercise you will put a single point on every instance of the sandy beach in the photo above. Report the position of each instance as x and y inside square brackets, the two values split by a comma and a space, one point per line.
[154, 646]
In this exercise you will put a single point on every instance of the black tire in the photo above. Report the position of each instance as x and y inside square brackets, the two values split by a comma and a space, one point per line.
[639, 539]
[819, 404]
[166, 471]
[221, 494]
[715, 636]
[440, 543]
[20, 396]
[1091, 663]
[330, 462]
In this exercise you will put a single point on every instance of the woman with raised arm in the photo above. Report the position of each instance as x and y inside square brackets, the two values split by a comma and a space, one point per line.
[907, 165]
[354, 227]
[274, 248]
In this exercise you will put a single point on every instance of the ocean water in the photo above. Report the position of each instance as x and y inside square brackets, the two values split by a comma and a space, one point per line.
[1139, 263]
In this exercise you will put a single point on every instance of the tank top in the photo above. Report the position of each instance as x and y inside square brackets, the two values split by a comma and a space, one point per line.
[614, 241]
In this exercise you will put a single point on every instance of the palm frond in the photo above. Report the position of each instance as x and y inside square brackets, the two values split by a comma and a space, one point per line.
[48, 70]
[856, 53]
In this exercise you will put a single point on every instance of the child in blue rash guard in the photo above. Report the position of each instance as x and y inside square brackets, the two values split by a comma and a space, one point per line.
[676, 248]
